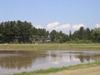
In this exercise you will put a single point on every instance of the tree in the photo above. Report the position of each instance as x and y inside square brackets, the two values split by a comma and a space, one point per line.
[96, 34]
[81, 33]
[63, 37]
[58, 36]
[53, 36]
[70, 35]
[12, 30]
[25, 32]
[87, 34]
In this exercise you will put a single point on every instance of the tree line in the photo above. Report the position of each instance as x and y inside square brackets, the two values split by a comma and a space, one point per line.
[25, 32]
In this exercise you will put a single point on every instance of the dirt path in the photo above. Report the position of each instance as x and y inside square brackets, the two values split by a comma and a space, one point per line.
[85, 71]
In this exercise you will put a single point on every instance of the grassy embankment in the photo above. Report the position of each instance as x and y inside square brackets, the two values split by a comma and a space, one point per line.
[49, 46]
[81, 69]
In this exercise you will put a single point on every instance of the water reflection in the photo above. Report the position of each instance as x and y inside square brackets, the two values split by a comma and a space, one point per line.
[15, 62]
[12, 62]
[88, 58]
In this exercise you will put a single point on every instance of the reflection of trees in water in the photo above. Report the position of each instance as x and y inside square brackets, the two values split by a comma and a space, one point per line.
[96, 57]
[88, 58]
[18, 61]
[82, 57]
[15, 62]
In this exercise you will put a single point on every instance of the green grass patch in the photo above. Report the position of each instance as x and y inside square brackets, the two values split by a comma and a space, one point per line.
[49, 46]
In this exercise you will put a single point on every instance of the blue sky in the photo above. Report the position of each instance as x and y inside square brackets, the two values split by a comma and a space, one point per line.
[42, 12]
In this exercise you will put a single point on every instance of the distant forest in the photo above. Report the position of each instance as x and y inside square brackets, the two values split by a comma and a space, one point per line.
[25, 32]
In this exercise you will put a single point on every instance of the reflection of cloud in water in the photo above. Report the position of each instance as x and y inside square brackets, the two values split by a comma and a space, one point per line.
[57, 59]
[69, 59]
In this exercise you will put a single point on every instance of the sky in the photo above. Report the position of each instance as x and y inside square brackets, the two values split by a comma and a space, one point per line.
[61, 15]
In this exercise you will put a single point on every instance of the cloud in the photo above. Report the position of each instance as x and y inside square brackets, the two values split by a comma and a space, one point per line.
[97, 26]
[64, 27]
[77, 26]
[39, 26]
[58, 27]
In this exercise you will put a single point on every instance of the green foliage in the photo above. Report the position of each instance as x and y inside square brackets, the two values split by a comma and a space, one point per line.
[25, 32]
[20, 32]
[58, 36]
[86, 35]
[82, 34]
[96, 35]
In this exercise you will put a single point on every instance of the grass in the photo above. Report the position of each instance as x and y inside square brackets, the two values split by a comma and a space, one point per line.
[49, 46]
[53, 70]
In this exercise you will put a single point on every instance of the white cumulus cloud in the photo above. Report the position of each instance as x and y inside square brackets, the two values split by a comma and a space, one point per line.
[64, 27]
[77, 26]
[97, 26]
[38, 26]
[58, 27]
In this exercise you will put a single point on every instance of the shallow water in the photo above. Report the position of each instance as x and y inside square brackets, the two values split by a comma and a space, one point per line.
[18, 61]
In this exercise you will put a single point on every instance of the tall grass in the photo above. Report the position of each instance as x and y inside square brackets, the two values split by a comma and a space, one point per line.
[49, 46]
